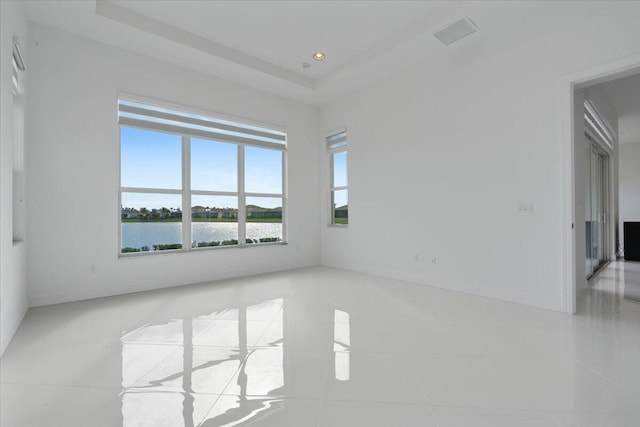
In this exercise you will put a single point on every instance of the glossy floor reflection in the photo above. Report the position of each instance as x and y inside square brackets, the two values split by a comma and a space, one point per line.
[326, 347]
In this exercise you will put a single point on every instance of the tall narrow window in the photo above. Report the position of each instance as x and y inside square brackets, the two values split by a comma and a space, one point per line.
[18, 144]
[338, 186]
[190, 181]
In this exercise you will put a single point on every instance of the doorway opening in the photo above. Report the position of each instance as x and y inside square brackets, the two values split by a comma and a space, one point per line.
[590, 230]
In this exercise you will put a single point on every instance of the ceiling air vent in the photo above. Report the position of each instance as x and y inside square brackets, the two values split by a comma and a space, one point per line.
[454, 32]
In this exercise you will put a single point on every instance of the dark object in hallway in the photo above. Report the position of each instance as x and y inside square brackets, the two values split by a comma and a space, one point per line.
[632, 241]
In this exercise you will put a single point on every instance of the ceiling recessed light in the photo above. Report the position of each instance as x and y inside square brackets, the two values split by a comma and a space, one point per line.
[318, 56]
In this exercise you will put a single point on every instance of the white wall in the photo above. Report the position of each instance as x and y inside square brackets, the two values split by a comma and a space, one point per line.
[73, 171]
[629, 184]
[441, 153]
[13, 288]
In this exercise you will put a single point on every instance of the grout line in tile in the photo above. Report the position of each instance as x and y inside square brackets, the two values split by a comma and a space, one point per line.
[424, 394]
[325, 377]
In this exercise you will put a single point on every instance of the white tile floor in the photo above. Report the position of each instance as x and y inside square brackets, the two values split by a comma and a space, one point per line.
[326, 347]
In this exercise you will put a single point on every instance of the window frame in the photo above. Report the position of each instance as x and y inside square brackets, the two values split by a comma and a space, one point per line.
[18, 141]
[331, 152]
[186, 192]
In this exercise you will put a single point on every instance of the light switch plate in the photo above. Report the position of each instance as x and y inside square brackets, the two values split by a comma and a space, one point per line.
[524, 207]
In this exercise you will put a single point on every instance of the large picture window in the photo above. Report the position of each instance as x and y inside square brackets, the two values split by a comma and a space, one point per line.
[338, 186]
[228, 177]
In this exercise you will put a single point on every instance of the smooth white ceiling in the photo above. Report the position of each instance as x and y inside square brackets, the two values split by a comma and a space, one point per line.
[624, 96]
[288, 33]
[263, 44]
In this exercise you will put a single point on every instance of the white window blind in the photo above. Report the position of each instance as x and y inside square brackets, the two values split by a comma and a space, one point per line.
[136, 114]
[597, 127]
[337, 140]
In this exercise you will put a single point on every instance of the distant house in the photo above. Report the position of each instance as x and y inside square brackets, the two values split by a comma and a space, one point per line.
[207, 212]
[342, 212]
[203, 212]
[260, 212]
[227, 213]
[128, 213]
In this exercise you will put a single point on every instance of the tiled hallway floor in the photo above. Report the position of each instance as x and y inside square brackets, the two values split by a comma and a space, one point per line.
[326, 347]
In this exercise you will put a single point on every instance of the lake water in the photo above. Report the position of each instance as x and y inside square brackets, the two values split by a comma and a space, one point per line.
[138, 234]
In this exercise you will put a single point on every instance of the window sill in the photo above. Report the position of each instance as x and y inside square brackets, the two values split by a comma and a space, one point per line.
[195, 250]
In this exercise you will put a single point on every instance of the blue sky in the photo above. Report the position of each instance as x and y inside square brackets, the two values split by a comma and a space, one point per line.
[340, 198]
[340, 178]
[150, 159]
[340, 169]
[153, 160]
[151, 201]
[214, 166]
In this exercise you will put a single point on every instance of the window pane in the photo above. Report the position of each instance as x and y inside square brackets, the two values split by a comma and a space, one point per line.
[151, 222]
[340, 200]
[264, 219]
[263, 170]
[340, 169]
[214, 221]
[214, 166]
[150, 159]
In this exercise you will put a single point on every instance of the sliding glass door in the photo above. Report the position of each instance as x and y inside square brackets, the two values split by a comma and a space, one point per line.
[596, 208]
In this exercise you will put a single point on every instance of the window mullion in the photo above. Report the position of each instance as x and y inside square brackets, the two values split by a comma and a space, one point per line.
[186, 193]
[149, 190]
[214, 193]
[284, 197]
[332, 206]
[265, 195]
[331, 188]
[242, 204]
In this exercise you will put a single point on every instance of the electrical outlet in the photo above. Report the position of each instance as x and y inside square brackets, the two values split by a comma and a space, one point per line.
[434, 261]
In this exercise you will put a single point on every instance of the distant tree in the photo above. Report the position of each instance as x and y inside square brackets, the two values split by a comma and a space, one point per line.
[144, 213]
